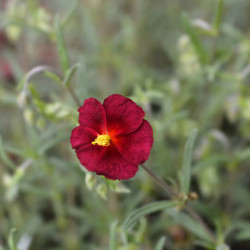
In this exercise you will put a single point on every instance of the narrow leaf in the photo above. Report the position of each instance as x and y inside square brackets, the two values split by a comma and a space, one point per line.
[148, 209]
[160, 243]
[21, 84]
[61, 47]
[191, 225]
[4, 156]
[53, 76]
[218, 14]
[112, 236]
[186, 166]
[200, 51]
[69, 74]
[11, 243]
[69, 14]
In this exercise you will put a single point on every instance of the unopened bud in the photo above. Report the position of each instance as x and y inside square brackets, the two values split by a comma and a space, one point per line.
[183, 197]
[7, 180]
[120, 188]
[102, 190]
[90, 180]
[192, 196]
[40, 123]
[22, 99]
[29, 116]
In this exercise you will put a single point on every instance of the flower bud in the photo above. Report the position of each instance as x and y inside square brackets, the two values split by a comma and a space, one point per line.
[90, 180]
[29, 116]
[102, 190]
[22, 99]
[192, 196]
[40, 123]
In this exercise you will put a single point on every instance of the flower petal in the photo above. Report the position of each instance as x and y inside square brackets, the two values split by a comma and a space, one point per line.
[135, 147]
[113, 166]
[81, 136]
[88, 154]
[123, 115]
[92, 114]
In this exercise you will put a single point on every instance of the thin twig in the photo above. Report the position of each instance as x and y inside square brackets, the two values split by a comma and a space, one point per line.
[173, 194]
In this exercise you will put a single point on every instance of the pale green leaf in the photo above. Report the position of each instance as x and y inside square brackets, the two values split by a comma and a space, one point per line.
[218, 15]
[190, 224]
[200, 51]
[160, 243]
[4, 156]
[186, 166]
[112, 236]
[69, 74]
[145, 210]
[11, 243]
[61, 47]
[53, 76]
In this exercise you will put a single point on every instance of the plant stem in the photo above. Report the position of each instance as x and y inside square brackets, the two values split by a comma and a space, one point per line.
[173, 194]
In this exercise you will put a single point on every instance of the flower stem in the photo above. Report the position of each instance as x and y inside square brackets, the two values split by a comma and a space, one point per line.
[173, 194]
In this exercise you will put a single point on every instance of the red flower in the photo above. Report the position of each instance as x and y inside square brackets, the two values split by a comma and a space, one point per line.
[112, 139]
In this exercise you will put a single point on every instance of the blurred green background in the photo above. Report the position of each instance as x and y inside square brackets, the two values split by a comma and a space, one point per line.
[187, 63]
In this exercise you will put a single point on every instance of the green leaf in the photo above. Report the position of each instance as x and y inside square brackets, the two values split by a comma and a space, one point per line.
[4, 156]
[11, 243]
[69, 74]
[201, 52]
[61, 47]
[148, 209]
[160, 243]
[217, 19]
[33, 92]
[190, 224]
[53, 76]
[21, 84]
[186, 166]
[112, 236]
[69, 14]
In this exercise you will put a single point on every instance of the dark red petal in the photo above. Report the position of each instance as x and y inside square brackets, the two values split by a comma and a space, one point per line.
[92, 114]
[135, 147]
[123, 115]
[81, 136]
[113, 166]
[87, 153]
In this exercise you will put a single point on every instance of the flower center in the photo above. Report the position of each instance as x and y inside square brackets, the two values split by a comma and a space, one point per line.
[102, 140]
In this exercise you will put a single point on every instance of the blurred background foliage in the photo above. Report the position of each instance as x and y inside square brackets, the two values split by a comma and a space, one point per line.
[187, 63]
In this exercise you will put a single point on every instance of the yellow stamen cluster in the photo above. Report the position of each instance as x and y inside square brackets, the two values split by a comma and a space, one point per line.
[102, 140]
